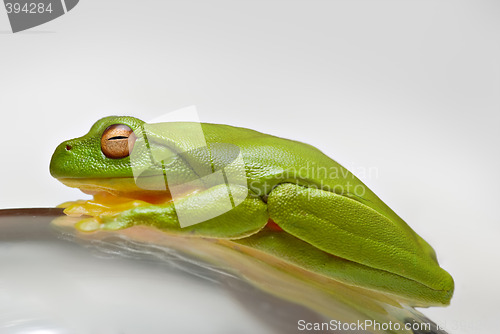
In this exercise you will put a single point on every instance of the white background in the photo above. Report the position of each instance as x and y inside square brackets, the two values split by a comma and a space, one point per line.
[409, 89]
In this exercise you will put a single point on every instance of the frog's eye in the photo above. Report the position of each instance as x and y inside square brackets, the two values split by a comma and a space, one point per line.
[117, 141]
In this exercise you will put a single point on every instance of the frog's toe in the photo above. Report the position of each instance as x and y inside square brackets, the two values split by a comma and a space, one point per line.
[88, 224]
[76, 209]
[68, 204]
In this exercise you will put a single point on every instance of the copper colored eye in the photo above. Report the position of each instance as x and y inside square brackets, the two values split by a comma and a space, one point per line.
[117, 141]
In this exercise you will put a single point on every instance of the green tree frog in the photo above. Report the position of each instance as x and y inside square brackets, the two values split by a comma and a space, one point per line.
[298, 205]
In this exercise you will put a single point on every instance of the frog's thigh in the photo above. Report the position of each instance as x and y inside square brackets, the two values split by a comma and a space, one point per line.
[245, 219]
[351, 230]
[339, 225]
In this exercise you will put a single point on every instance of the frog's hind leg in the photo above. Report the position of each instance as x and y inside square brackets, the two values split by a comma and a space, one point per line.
[351, 230]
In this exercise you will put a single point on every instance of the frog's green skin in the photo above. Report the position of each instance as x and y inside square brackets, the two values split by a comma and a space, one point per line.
[332, 224]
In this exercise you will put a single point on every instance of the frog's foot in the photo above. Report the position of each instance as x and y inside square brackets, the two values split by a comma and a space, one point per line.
[101, 212]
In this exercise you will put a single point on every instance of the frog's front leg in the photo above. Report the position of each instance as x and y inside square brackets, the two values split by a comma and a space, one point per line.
[247, 218]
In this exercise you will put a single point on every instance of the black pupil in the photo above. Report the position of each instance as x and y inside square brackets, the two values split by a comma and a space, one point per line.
[117, 137]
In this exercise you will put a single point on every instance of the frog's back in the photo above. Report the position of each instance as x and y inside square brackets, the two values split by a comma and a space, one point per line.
[271, 160]
[276, 160]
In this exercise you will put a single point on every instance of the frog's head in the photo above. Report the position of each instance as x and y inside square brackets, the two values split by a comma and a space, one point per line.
[100, 161]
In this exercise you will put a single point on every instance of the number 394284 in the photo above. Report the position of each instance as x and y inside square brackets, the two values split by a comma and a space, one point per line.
[28, 8]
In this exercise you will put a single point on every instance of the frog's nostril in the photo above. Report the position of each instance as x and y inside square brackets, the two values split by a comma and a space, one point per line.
[68, 147]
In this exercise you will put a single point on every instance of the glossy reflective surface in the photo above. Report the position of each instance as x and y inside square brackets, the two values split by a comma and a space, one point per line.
[54, 282]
